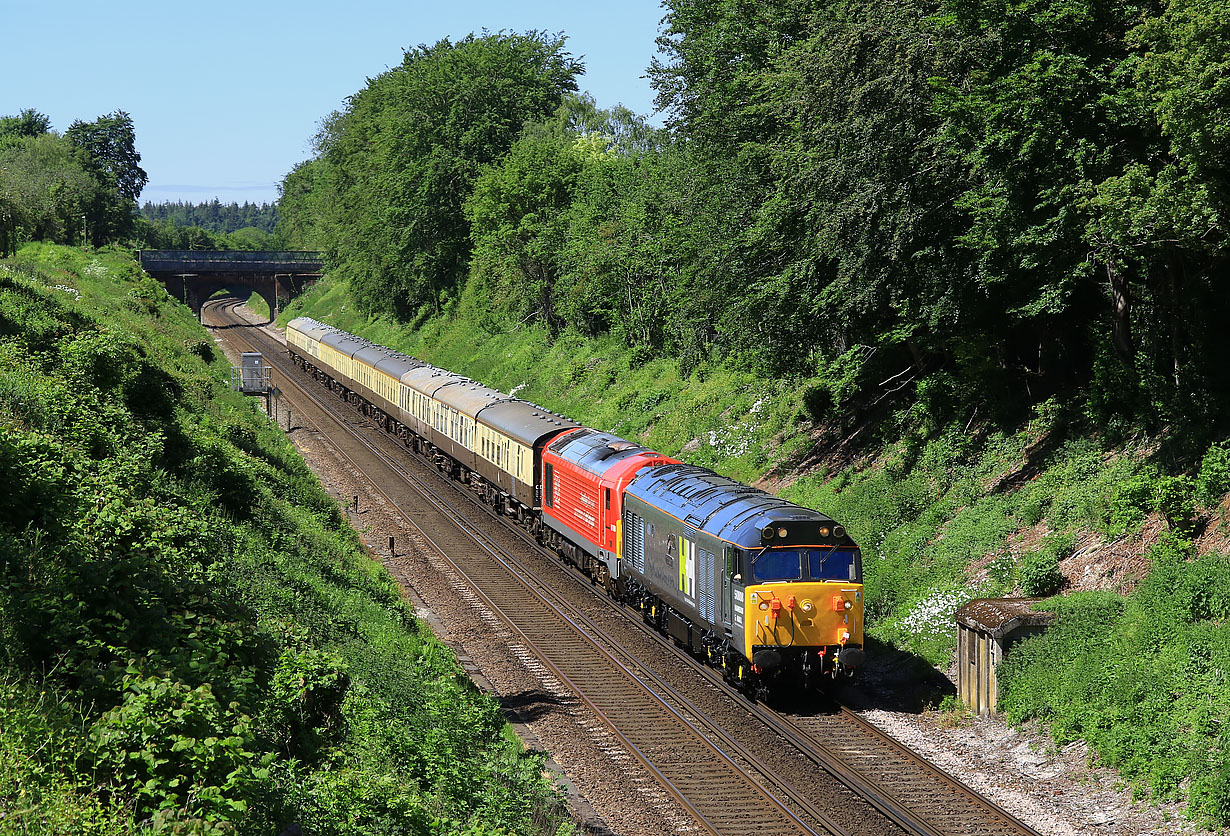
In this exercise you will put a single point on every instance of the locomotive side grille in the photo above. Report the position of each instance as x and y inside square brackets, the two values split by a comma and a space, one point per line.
[634, 541]
[705, 599]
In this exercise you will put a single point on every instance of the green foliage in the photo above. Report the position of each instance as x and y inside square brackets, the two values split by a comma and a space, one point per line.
[38, 742]
[308, 688]
[174, 754]
[107, 149]
[1038, 572]
[1131, 500]
[44, 192]
[1173, 500]
[77, 189]
[109, 145]
[924, 203]
[158, 538]
[28, 122]
[515, 216]
[1142, 679]
[1213, 480]
[401, 160]
[214, 216]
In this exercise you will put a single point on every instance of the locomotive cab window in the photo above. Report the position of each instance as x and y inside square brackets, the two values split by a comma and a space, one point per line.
[550, 487]
[834, 564]
[732, 562]
[777, 565]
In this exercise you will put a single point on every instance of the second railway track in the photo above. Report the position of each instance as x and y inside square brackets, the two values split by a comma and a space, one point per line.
[734, 766]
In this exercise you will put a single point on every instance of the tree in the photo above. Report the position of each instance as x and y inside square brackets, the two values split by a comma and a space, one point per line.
[44, 192]
[300, 207]
[520, 208]
[1158, 225]
[516, 216]
[28, 122]
[108, 149]
[715, 52]
[403, 157]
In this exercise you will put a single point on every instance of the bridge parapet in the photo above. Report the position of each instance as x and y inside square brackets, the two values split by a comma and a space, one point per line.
[178, 262]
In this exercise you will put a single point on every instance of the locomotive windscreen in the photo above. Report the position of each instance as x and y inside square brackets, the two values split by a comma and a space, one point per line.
[824, 564]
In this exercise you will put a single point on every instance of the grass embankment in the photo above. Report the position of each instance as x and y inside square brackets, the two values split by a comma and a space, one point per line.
[944, 515]
[192, 640]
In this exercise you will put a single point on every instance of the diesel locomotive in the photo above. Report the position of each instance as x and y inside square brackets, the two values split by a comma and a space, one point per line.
[767, 591]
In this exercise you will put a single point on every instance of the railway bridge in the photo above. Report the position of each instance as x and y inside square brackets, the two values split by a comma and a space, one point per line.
[192, 276]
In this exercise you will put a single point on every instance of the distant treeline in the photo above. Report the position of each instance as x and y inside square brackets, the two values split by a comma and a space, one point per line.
[207, 226]
[959, 209]
[214, 216]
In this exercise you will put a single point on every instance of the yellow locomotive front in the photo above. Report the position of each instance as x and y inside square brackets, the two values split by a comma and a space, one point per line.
[804, 610]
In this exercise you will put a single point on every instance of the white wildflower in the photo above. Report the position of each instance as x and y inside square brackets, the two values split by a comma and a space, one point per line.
[737, 440]
[932, 616]
[72, 291]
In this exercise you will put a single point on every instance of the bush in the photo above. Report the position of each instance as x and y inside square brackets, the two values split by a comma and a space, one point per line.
[1174, 500]
[1210, 792]
[1131, 500]
[1038, 572]
[1141, 678]
[177, 753]
[1213, 481]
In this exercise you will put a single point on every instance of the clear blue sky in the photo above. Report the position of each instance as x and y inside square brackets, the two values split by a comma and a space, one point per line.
[226, 95]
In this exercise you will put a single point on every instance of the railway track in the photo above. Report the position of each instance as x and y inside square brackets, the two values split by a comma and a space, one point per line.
[701, 761]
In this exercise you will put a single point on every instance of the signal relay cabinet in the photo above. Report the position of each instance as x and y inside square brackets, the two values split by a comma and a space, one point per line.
[987, 628]
[254, 376]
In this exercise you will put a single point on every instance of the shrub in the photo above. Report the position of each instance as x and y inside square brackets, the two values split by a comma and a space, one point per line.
[1210, 791]
[1174, 500]
[1213, 481]
[1131, 499]
[1038, 572]
[178, 751]
[306, 699]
